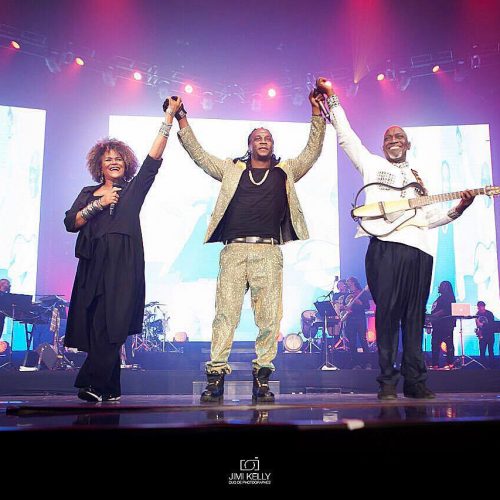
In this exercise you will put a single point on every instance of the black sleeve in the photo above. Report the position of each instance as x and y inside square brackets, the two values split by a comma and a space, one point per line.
[144, 179]
[78, 204]
[365, 301]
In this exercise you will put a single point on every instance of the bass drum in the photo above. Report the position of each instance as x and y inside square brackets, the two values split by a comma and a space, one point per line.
[306, 321]
[293, 342]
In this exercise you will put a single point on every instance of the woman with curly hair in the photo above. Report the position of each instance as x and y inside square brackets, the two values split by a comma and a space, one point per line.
[107, 301]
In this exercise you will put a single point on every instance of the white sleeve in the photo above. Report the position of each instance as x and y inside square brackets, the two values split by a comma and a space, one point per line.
[349, 141]
[438, 216]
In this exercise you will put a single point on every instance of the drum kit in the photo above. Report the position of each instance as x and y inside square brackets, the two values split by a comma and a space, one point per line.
[155, 329]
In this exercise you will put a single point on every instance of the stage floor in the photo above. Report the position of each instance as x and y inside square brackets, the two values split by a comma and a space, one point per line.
[343, 411]
[311, 442]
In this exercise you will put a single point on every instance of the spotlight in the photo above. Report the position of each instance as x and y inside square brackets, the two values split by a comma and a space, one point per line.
[436, 68]
[137, 75]
[380, 77]
[79, 61]
[15, 45]
[188, 88]
[271, 93]
[181, 337]
[475, 61]
[207, 103]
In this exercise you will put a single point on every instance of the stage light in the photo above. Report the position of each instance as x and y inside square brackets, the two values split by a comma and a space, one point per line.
[79, 61]
[380, 77]
[271, 93]
[436, 68]
[15, 45]
[188, 88]
[137, 75]
[181, 337]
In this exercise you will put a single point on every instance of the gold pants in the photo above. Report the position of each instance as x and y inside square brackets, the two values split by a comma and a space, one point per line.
[242, 266]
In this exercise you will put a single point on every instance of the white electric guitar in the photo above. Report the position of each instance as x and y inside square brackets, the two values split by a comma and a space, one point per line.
[384, 217]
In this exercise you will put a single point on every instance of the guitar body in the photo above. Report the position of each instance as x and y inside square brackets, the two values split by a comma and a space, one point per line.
[384, 217]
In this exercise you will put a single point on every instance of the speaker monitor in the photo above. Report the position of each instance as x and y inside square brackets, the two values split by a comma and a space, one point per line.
[47, 354]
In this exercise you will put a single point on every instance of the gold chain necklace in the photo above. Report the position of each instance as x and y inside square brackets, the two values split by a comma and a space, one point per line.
[260, 182]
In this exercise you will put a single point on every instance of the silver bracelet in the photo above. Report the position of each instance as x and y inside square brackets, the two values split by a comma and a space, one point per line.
[454, 214]
[165, 129]
[333, 101]
[92, 209]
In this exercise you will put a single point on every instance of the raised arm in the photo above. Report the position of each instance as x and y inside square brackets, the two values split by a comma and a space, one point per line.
[347, 138]
[212, 165]
[300, 165]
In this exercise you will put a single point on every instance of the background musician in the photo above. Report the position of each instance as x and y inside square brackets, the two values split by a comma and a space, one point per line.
[356, 303]
[485, 333]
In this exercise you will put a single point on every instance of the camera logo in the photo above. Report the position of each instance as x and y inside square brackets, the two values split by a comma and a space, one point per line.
[250, 465]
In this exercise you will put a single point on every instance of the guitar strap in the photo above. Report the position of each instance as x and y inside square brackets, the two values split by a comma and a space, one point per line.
[420, 181]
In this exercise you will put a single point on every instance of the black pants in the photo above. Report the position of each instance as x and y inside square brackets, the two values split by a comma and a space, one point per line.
[488, 341]
[399, 277]
[101, 369]
[440, 335]
[355, 328]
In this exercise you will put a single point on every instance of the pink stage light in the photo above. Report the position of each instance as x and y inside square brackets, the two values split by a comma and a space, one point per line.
[137, 75]
[79, 61]
[435, 69]
[188, 88]
[380, 77]
[271, 92]
[15, 45]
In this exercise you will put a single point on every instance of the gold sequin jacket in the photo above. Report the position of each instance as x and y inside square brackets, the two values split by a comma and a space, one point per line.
[229, 173]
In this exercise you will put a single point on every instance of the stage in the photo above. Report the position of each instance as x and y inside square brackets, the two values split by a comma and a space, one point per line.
[308, 441]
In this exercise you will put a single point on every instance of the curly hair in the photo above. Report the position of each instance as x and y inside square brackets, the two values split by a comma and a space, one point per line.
[94, 158]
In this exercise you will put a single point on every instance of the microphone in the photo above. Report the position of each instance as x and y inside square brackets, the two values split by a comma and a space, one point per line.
[324, 110]
[113, 205]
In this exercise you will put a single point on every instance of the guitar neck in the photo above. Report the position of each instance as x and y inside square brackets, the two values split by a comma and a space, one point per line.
[422, 201]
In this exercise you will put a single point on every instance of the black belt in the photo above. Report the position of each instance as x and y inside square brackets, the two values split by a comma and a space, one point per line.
[253, 239]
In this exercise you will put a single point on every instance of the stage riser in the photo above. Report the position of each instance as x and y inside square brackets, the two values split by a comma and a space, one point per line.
[291, 381]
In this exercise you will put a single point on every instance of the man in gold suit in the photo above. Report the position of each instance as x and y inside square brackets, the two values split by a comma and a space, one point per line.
[256, 211]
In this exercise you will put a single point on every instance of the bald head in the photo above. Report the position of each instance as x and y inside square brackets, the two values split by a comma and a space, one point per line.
[395, 144]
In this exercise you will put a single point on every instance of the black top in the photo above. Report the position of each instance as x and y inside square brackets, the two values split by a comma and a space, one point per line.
[358, 310]
[111, 262]
[446, 321]
[257, 210]
[489, 325]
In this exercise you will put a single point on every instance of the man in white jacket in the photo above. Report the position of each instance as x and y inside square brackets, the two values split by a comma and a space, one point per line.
[398, 265]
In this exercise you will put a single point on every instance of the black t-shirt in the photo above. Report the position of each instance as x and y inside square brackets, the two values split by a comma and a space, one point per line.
[488, 320]
[446, 321]
[257, 210]
[358, 310]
